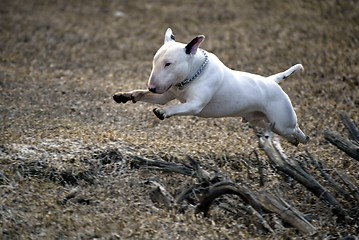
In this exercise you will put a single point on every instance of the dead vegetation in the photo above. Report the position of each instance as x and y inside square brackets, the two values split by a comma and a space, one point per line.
[76, 165]
[258, 204]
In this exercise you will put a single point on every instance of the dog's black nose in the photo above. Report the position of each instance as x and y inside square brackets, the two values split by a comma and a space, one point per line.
[152, 90]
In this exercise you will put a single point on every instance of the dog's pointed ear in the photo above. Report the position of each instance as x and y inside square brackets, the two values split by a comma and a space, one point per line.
[192, 46]
[169, 37]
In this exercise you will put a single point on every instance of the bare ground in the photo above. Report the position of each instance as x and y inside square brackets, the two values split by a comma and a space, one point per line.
[60, 63]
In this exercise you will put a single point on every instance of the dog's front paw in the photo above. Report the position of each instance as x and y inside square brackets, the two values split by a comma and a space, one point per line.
[123, 97]
[159, 113]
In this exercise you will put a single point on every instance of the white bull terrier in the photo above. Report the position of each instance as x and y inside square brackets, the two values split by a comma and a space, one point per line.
[207, 88]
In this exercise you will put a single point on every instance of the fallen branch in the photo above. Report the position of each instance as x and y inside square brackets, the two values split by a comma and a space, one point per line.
[161, 165]
[319, 166]
[350, 147]
[245, 194]
[347, 146]
[286, 212]
[202, 175]
[202, 195]
[223, 188]
[293, 169]
[256, 202]
[262, 222]
[160, 195]
[354, 190]
[350, 126]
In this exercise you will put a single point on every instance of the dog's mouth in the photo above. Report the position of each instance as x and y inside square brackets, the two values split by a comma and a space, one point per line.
[169, 87]
[160, 92]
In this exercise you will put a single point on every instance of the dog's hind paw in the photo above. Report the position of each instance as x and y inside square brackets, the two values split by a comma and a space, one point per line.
[159, 113]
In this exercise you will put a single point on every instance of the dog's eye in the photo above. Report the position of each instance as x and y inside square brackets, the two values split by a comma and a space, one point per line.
[167, 64]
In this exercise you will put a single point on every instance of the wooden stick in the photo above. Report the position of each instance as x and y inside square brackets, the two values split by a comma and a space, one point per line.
[350, 126]
[162, 165]
[286, 212]
[222, 188]
[331, 181]
[263, 222]
[160, 195]
[297, 172]
[351, 186]
[349, 147]
[202, 175]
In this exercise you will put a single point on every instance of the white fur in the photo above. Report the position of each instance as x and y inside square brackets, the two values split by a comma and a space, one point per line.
[218, 91]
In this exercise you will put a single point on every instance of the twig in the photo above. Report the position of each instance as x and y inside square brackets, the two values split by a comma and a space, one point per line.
[202, 175]
[260, 168]
[286, 212]
[347, 146]
[351, 186]
[263, 222]
[327, 177]
[350, 126]
[222, 188]
[160, 195]
[162, 165]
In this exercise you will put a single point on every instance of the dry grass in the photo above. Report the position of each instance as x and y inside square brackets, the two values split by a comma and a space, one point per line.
[60, 63]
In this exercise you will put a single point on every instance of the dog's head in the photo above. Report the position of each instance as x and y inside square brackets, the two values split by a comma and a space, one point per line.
[172, 63]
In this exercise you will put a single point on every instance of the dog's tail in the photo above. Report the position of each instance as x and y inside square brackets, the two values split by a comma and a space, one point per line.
[279, 77]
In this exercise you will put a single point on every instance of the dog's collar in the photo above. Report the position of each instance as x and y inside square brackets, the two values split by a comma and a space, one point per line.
[200, 70]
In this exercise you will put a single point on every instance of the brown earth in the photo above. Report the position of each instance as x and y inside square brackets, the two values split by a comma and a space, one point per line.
[60, 63]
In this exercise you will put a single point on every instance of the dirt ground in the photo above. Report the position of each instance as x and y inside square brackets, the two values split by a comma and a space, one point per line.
[61, 62]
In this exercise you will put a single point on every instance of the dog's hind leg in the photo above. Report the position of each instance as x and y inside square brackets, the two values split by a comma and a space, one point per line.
[282, 114]
[256, 119]
[279, 77]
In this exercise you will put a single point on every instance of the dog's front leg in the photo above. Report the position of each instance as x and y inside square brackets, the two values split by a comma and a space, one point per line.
[143, 96]
[192, 108]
